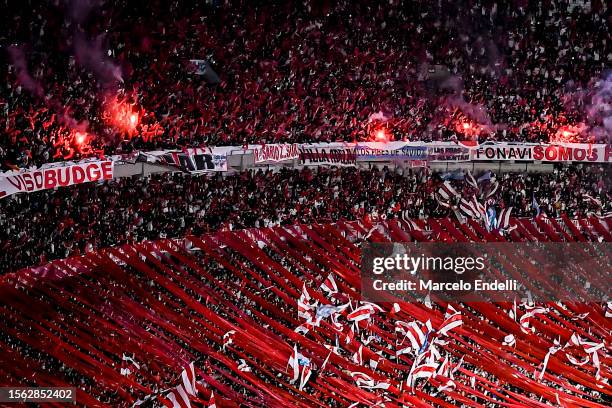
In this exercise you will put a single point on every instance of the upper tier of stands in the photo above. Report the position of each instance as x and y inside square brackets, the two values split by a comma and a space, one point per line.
[296, 71]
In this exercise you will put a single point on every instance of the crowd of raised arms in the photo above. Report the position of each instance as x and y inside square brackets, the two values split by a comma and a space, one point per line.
[47, 225]
[84, 78]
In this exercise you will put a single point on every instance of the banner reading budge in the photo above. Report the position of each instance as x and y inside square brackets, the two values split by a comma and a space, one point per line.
[52, 177]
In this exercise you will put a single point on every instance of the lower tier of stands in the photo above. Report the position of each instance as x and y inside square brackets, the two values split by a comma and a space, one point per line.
[228, 302]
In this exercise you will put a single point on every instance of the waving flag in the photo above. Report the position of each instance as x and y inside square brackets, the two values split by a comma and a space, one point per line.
[305, 296]
[431, 355]
[211, 401]
[447, 192]
[453, 175]
[294, 365]
[503, 221]
[297, 360]
[413, 332]
[426, 370]
[574, 340]
[364, 381]
[592, 349]
[304, 311]
[485, 177]
[169, 401]
[329, 285]
[362, 312]
[492, 190]
[358, 356]
[189, 382]
[456, 368]
[306, 372]
[373, 306]
[466, 207]
[453, 320]
[177, 399]
[325, 311]
[126, 364]
[596, 364]
[412, 225]
[472, 208]
[444, 369]
[469, 178]
[303, 329]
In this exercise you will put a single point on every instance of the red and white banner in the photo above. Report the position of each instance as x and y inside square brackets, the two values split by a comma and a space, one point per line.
[52, 177]
[567, 152]
[275, 152]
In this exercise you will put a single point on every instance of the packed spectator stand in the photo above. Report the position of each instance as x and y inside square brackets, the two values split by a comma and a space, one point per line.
[90, 78]
[123, 323]
[41, 226]
[185, 290]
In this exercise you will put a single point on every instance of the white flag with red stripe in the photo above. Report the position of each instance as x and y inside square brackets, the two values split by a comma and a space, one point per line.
[329, 285]
[184, 398]
[169, 401]
[466, 207]
[363, 380]
[189, 380]
[453, 320]
[305, 296]
[177, 398]
[444, 369]
[211, 401]
[362, 312]
[413, 332]
[294, 365]
[426, 370]
[503, 221]
[446, 191]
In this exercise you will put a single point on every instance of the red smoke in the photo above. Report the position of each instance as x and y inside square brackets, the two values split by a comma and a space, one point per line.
[380, 135]
[467, 127]
[80, 138]
[568, 134]
[122, 115]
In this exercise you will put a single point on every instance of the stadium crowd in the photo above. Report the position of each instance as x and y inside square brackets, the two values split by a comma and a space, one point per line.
[51, 224]
[232, 307]
[84, 78]
[94, 77]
